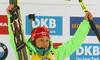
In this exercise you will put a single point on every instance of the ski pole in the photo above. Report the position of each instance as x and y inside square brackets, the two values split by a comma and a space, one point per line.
[31, 16]
[90, 21]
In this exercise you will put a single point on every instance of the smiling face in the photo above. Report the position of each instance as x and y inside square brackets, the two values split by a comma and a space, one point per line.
[42, 42]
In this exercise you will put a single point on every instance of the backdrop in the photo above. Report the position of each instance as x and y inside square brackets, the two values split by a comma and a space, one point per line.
[58, 16]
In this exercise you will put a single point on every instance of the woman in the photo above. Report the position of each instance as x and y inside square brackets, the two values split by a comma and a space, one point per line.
[42, 48]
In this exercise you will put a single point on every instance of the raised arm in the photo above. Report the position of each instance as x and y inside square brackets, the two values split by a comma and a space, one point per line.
[76, 41]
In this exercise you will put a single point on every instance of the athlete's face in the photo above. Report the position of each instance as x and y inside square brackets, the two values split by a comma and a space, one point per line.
[42, 42]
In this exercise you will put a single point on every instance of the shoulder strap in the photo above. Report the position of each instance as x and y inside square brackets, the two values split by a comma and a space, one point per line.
[31, 54]
[53, 55]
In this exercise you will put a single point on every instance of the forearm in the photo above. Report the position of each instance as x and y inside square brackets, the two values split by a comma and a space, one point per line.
[81, 32]
[9, 28]
[11, 35]
[75, 42]
[79, 36]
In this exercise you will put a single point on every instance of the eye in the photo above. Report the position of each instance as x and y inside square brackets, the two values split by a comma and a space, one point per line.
[41, 40]
[47, 40]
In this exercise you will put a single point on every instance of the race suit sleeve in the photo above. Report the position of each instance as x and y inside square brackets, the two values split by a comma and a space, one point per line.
[67, 48]
[11, 35]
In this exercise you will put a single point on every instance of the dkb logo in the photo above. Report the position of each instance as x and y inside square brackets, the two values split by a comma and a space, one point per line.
[87, 52]
[54, 23]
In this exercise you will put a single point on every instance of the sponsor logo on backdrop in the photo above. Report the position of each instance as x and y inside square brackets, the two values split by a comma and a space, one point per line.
[3, 24]
[75, 22]
[3, 51]
[54, 23]
[87, 52]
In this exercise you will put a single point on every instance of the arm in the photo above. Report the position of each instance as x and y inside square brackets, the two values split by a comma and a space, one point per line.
[75, 42]
[11, 35]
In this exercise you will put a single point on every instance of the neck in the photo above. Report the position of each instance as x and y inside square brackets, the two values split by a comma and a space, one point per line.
[41, 51]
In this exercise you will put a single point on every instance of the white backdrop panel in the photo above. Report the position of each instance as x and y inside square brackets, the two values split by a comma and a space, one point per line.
[51, 10]
[87, 2]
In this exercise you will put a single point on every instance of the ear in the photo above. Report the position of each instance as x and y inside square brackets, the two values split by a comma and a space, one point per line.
[33, 42]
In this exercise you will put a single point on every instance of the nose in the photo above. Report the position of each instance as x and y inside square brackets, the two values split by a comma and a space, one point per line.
[45, 44]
